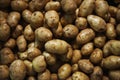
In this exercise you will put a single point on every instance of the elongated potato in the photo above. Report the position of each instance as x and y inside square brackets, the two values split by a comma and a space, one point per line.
[96, 23]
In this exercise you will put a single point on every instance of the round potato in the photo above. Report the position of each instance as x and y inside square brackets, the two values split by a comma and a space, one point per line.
[75, 68]
[11, 43]
[113, 10]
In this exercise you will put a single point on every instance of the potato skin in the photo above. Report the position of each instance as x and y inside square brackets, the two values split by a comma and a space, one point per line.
[64, 71]
[114, 74]
[79, 76]
[96, 23]
[31, 78]
[84, 37]
[17, 70]
[11, 43]
[54, 76]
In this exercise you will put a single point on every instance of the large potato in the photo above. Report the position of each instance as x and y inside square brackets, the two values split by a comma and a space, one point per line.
[17, 70]
[57, 46]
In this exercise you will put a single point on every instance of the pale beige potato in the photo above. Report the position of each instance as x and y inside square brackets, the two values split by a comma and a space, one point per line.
[21, 43]
[64, 71]
[114, 74]
[86, 8]
[86, 66]
[17, 70]
[75, 67]
[87, 49]
[57, 46]
[10, 43]
[96, 56]
[4, 3]
[96, 23]
[6, 56]
[85, 36]
[39, 63]
[112, 21]
[113, 10]
[79, 76]
[22, 55]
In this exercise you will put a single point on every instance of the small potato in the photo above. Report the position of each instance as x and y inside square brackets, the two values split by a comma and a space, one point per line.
[52, 5]
[97, 73]
[111, 62]
[13, 18]
[75, 68]
[11, 43]
[54, 76]
[113, 10]
[114, 75]
[31, 78]
[87, 49]
[4, 3]
[83, 37]
[29, 33]
[4, 72]
[39, 63]
[64, 71]
[36, 19]
[68, 6]
[17, 31]
[18, 5]
[21, 43]
[43, 34]
[33, 52]
[86, 8]
[70, 31]
[17, 70]
[23, 55]
[6, 56]
[86, 66]
[29, 68]
[50, 58]
[57, 46]
[44, 75]
[4, 32]
[96, 56]
[81, 23]
[96, 23]
[105, 78]
[99, 41]
[76, 56]
[110, 31]
[118, 29]
[26, 14]
[118, 16]
[112, 21]
[52, 18]
[79, 76]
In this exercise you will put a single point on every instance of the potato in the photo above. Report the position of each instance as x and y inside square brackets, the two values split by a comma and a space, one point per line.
[68, 6]
[21, 43]
[87, 49]
[112, 21]
[3, 17]
[75, 68]
[29, 68]
[81, 23]
[4, 3]
[69, 78]
[79, 76]
[101, 8]
[50, 58]
[23, 55]
[118, 29]
[13, 18]
[52, 18]
[6, 56]
[110, 31]
[64, 71]
[111, 47]
[57, 46]
[86, 8]
[53, 76]
[86, 66]
[4, 72]
[19, 5]
[70, 31]
[36, 19]
[31, 78]
[43, 34]
[26, 14]
[97, 73]
[99, 41]
[33, 52]
[37, 5]
[114, 75]
[78, 2]
[76, 56]
[17, 31]
[53, 5]
[83, 37]
[29, 33]
[105, 78]
[5, 32]
[44, 76]
[96, 23]
[113, 10]
[17, 70]
[96, 56]
[111, 62]
[118, 16]
[39, 63]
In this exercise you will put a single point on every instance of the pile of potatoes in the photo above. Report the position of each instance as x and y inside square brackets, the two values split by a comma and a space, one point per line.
[59, 39]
